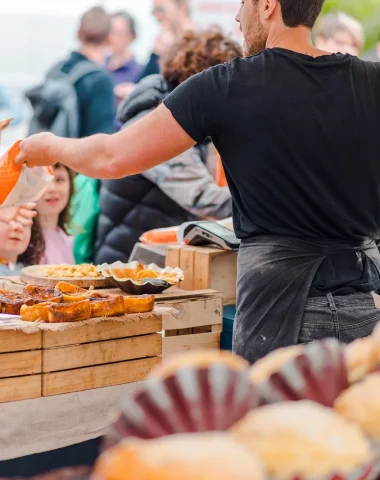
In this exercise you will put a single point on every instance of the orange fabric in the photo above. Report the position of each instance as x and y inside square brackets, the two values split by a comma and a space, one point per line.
[9, 171]
[160, 237]
[220, 176]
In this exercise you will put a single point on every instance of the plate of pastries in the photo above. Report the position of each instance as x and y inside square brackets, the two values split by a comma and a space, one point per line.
[69, 303]
[138, 279]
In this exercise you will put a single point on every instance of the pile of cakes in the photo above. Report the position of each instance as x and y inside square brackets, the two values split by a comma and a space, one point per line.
[302, 412]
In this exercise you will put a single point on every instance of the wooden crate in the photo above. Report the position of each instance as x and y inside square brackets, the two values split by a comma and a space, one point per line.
[100, 355]
[196, 325]
[20, 365]
[110, 352]
[88, 356]
[206, 268]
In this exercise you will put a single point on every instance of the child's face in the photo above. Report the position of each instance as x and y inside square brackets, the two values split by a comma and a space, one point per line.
[14, 240]
[56, 198]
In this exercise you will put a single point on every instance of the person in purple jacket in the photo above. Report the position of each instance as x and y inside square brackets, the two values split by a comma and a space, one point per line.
[124, 69]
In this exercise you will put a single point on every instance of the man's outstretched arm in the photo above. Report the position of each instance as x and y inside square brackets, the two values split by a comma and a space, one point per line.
[153, 140]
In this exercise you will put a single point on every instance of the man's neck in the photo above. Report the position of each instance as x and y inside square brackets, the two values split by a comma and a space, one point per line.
[94, 53]
[295, 39]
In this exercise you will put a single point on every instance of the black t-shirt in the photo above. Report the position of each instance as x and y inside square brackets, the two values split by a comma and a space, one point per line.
[299, 138]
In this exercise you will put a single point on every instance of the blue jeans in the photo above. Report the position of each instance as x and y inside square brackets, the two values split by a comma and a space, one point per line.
[343, 317]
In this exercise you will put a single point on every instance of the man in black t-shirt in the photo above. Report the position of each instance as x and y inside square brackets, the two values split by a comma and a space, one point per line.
[298, 132]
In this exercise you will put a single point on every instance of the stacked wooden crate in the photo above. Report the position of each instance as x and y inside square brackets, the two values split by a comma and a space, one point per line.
[106, 353]
[88, 356]
[206, 268]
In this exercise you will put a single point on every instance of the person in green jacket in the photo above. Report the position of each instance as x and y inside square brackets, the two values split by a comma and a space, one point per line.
[85, 219]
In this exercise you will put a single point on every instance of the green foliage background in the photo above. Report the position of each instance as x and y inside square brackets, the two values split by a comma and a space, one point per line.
[367, 11]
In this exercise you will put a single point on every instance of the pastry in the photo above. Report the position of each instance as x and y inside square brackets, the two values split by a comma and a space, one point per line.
[11, 303]
[43, 294]
[361, 404]
[35, 313]
[69, 312]
[110, 306]
[141, 304]
[199, 359]
[303, 439]
[71, 293]
[207, 456]
[270, 364]
[362, 357]
[70, 271]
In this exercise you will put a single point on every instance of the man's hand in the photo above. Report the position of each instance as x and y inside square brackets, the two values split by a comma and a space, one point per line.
[41, 150]
[23, 215]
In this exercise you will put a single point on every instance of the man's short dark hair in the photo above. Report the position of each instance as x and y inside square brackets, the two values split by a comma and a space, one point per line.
[129, 20]
[296, 13]
[95, 26]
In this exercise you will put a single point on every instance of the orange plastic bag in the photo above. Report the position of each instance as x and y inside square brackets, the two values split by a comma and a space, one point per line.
[164, 236]
[18, 183]
[9, 172]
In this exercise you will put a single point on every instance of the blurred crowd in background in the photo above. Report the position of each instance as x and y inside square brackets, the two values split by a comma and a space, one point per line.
[101, 88]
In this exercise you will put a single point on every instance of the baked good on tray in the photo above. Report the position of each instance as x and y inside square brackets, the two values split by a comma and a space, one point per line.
[43, 294]
[199, 359]
[362, 357]
[303, 439]
[211, 456]
[11, 303]
[272, 363]
[69, 303]
[69, 312]
[106, 307]
[361, 404]
[70, 271]
[35, 313]
[139, 304]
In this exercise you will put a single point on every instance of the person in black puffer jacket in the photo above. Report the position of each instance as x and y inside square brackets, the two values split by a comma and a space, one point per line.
[179, 190]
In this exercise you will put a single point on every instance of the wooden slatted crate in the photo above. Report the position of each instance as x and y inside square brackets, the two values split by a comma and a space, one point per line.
[88, 356]
[20, 365]
[107, 353]
[100, 355]
[196, 325]
[206, 268]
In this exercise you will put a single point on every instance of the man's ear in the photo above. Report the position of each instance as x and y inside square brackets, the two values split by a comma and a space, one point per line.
[378, 49]
[270, 7]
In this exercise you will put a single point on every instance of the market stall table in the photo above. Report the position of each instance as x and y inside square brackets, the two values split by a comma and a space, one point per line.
[80, 388]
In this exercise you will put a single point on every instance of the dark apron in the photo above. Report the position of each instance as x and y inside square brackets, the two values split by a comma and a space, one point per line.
[274, 279]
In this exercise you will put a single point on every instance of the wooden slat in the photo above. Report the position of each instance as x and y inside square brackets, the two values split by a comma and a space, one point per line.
[173, 256]
[224, 277]
[15, 341]
[202, 267]
[106, 330]
[20, 388]
[216, 270]
[186, 264]
[99, 353]
[184, 343]
[20, 363]
[194, 313]
[97, 377]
